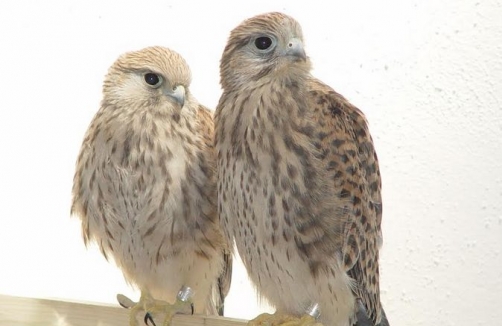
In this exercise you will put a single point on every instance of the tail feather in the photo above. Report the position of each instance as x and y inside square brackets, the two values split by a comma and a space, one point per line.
[364, 320]
[221, 288]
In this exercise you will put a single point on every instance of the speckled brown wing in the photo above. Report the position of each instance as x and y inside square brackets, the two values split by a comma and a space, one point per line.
[350, 159]
[221, 289]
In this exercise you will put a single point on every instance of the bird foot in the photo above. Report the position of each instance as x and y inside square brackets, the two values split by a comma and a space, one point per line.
[279, 319]
[153, 307]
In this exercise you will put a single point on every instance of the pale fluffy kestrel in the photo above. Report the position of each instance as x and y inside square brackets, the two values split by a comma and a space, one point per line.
[145, 185]
[298, 179]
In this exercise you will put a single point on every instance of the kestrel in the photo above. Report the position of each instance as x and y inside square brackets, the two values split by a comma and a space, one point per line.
[298, 179]
[145, 185]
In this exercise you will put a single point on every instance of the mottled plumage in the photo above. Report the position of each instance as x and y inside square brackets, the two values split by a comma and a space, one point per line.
[298, 177]
[145, 181]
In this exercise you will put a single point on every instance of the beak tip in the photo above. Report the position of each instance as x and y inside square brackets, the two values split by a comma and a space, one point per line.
[302, 55]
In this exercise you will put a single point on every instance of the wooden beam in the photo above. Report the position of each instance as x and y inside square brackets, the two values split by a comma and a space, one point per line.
[17, 311]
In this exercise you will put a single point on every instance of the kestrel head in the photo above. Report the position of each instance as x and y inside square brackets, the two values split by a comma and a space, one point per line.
[151, 77]
[265, 46]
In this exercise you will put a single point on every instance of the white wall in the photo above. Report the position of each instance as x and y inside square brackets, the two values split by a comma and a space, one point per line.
[428, 74]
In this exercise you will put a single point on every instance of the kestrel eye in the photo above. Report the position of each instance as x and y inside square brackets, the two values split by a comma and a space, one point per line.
[263, 42]
[153, 79]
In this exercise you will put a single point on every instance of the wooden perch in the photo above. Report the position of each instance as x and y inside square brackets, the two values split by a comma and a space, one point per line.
[17, 311]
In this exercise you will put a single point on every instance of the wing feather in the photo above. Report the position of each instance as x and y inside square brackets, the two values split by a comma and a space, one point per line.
[350, 159]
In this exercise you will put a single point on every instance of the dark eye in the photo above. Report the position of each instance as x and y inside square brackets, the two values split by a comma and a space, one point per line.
[263, 42]
[152, 79]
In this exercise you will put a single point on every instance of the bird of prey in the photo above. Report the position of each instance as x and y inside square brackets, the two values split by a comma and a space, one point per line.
[298, 179]
[145, 185]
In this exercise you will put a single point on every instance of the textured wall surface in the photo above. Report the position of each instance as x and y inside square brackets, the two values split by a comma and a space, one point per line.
[428, 74]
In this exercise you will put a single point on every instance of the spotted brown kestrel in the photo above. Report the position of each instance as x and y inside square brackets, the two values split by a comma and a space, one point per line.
[298, 178]
[145, 184]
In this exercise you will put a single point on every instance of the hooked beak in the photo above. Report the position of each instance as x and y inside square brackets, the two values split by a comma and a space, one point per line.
[178, 94]
[295, 49]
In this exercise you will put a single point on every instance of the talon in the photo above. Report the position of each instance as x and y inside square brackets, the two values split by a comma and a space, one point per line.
[148, 317]
[124, 301]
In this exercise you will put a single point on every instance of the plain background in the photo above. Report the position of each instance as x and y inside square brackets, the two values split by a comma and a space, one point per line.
[428, 75]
